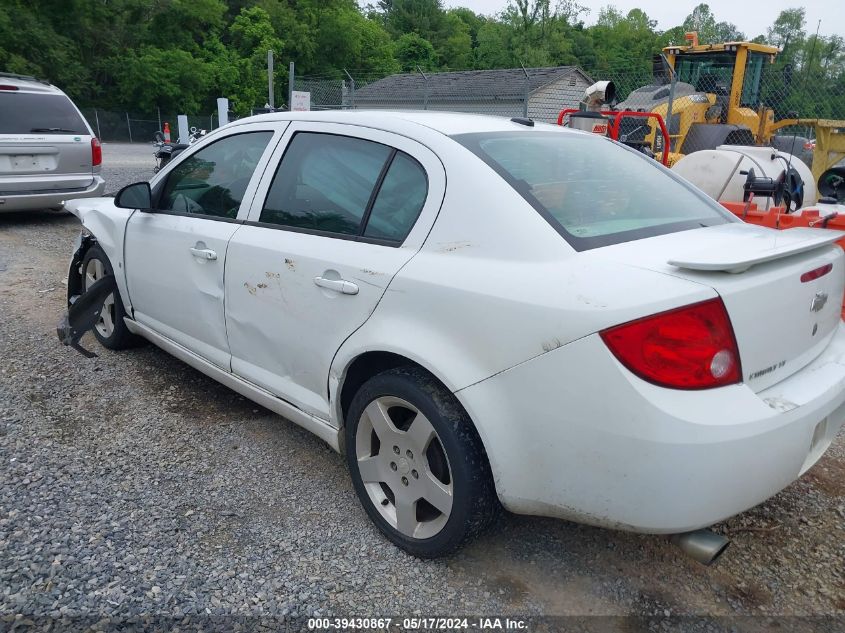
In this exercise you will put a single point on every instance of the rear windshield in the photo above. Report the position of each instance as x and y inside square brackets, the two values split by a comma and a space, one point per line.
[25, 113]
[592, 191]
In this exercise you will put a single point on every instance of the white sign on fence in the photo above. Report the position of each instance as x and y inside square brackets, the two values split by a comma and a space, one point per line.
[300, 101]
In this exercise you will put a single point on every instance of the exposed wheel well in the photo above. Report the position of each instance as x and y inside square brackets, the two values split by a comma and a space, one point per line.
[74, 282]
[365, 367]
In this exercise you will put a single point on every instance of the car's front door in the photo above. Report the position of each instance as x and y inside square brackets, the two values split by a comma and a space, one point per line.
[339, 211]
[175, 254]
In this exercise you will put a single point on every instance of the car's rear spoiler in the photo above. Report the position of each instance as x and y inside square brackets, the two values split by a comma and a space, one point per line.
[736, 255]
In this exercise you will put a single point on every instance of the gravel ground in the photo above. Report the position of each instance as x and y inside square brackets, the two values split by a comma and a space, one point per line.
[133, 485]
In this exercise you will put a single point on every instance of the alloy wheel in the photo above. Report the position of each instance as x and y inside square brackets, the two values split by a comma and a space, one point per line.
[94, 271]
[404, 467]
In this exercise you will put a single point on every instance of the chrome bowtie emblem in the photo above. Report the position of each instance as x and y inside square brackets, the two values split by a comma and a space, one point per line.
[818, 302]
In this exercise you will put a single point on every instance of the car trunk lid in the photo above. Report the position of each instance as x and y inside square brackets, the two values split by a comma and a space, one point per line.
[783, 289]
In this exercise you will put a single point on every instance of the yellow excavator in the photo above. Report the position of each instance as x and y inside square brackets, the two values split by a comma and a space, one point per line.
[711, 96]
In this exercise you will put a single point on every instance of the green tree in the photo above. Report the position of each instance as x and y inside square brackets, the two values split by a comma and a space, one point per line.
[413, 51]
[454, 48]
[170, 78]
[423, 17]
[788, 27]
[251, 35]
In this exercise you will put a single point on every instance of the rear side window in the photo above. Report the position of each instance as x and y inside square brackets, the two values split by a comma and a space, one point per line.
[593, 191]
[324, 183]
[399, 200]
[29, 113]
[213, 181]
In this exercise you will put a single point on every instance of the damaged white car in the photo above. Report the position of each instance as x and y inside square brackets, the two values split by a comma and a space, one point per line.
[481, 311]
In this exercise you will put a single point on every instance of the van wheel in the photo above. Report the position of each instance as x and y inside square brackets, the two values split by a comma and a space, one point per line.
[111, 331]
[417, 463]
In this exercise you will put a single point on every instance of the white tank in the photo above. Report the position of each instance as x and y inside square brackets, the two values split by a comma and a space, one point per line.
[717, 171]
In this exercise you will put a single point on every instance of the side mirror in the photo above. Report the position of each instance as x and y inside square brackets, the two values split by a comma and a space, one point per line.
[135, 196]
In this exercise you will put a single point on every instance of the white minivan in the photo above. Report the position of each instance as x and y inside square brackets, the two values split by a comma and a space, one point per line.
[48, 152]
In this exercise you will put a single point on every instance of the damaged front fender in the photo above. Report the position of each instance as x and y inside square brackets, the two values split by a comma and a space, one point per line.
[104, 224]
[84, 313]
[74, 277]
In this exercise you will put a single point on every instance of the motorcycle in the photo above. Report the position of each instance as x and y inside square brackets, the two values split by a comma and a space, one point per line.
[167, 151]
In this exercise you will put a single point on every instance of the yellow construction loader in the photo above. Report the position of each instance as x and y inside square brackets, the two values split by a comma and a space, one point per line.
[712, 97]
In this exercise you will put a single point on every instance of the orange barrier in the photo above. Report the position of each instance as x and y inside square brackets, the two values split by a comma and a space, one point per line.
[615, 121]
[777, 218]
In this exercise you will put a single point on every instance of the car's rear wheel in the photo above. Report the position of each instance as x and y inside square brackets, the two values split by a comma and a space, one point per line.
[417, 463]
[111, 330]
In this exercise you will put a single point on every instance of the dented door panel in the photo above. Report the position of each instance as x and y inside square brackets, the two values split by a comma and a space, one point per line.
[292, 298]
[284, 328]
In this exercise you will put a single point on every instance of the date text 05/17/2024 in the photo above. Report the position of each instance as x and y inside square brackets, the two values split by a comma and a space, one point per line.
[418, 623]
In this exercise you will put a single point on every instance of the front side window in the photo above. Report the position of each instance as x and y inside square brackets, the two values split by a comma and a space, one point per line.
[213, 181]
[593, 191]
[324, 183]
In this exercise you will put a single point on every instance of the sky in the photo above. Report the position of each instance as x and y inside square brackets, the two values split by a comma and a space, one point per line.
[752, 17]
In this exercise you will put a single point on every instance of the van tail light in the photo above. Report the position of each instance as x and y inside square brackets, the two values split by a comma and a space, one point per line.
[96, 152]
[692, 347]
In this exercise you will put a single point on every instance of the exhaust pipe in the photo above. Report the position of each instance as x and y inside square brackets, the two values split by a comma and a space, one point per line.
[702, 545]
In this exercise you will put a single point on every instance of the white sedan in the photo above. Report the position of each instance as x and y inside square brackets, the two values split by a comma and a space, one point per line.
[482, 312]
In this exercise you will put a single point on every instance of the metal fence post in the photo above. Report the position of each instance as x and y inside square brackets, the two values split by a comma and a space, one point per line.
[158, 110]
[290, 86]
[527, 91]
[129, 127]
[271, 101]
[425, 89]
[97, 119]
[351, 89]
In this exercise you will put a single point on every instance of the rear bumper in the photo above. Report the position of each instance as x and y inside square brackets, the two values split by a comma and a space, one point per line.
[51, 199]
[573, 434]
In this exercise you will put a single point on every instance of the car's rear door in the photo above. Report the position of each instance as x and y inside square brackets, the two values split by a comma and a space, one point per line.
[340, 210]
[175, 255]
[45, 144]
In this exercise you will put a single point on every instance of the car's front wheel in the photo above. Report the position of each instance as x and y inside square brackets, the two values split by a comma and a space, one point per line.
[110, 330]
[417, 463]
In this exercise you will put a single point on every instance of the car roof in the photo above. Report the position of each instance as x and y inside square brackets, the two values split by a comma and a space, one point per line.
[25, 83]
[449, 123]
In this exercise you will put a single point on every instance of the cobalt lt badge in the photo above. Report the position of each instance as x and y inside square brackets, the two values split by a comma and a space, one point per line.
[818, 302]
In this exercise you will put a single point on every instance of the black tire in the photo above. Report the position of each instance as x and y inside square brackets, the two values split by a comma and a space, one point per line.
[121, 337]
[475, 505]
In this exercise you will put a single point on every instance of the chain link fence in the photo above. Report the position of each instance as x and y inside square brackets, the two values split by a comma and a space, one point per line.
[700, 90]
[129, 127]
[541, 93]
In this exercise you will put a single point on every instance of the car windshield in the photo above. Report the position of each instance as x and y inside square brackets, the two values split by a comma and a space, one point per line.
[592, 191]
[26, 112]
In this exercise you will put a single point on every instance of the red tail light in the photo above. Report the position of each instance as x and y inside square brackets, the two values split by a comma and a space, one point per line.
[687, 348]
[8, 87]
[96, 152]
[821, 271]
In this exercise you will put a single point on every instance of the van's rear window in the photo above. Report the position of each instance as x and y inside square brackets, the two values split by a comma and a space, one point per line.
[30, 113]
[592, 191]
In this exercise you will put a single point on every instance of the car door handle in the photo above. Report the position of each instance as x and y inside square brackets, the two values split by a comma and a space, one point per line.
[204, 253]
[338, 285]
